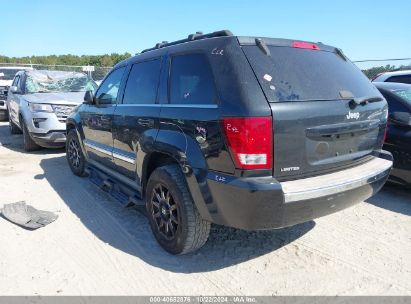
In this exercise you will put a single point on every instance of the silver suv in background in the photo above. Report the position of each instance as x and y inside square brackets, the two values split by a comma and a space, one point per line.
[396, 76]
[7, 74]
[39, 102]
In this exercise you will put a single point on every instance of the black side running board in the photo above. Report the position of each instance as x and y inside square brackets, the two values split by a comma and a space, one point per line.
[127, 196]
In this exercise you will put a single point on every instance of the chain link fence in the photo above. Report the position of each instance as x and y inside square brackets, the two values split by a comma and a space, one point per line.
[96, 73]
[371, 67]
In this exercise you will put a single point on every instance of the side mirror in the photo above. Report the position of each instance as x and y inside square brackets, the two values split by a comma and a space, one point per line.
[15, 90]
[400, 119]
[89, 98]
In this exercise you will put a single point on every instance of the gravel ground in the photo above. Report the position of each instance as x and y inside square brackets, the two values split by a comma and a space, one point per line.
[96, 247]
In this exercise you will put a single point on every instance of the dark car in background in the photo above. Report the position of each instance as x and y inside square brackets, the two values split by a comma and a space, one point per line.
[252, 133]
[398, 138]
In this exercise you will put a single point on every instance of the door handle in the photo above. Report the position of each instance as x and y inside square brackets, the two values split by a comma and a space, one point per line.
[145, 122]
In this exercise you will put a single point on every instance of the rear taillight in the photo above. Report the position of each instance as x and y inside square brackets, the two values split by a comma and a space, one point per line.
[376, 76]
[386, 132]
[305, 45]
[250, 141]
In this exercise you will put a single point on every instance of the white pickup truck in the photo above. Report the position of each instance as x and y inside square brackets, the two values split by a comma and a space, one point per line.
[6, 78]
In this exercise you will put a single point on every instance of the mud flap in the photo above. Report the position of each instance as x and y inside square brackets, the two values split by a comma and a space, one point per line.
[27, 216]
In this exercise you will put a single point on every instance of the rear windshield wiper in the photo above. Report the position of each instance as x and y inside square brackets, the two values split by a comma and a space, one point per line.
[347, 95]
[365, 100]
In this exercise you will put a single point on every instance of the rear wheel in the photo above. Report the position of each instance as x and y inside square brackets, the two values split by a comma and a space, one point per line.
[174, 219]
[14, 129]
[74, 154]
[28, 142]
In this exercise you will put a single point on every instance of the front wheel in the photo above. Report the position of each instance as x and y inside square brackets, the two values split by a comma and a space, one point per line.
[174, 219]
[14, 129]
[28, 142]
[74, 154]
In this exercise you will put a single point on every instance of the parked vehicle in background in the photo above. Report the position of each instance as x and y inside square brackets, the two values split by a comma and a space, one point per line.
[397, 76]
[7, 74]
[39, 102]
[398, 140]
[252, 133]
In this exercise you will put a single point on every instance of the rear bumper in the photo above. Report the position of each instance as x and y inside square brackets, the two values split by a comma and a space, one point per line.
[265, 203]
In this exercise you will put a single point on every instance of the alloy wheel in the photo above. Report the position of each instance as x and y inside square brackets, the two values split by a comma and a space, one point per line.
[164, 211]
[74, 153]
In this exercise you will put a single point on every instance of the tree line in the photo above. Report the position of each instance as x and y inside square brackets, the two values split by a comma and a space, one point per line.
[109, 60]
[374, 71]
[106, 60]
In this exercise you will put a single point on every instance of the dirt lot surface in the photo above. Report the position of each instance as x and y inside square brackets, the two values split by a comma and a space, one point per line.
[96, 247]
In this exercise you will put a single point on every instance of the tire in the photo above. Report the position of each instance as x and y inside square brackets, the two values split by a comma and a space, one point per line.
[74, 154]
[14, 129]
[28, 142]
[190, 231]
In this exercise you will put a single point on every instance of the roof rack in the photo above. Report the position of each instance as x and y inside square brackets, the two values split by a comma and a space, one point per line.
[191, 37]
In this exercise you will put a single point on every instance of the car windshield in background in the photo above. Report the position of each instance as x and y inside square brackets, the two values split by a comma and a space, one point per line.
[404, 94]
[8, 74]
[56, 81]
[295, 74]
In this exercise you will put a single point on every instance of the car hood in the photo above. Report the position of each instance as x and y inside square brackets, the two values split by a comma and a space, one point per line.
[68, 98]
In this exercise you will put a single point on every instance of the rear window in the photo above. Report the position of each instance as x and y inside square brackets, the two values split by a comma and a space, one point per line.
[401, 79]
[294, 74]
[191, 80]
[142, 83]
[7, 74]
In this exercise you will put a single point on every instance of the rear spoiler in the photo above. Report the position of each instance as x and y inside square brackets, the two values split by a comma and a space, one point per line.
[286, 43]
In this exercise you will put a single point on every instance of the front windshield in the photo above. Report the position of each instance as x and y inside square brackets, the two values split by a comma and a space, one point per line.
[404, 94]
[8, 74]
[56, 81]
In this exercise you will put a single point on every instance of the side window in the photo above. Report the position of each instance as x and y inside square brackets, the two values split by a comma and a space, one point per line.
[108, 90]
[191, 80]
[142, 83]
[402, 79]
[16, 81]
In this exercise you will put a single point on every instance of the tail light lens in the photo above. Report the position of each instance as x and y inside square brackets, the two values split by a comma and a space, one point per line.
[250, 140]
[386, 132]
[376, 76]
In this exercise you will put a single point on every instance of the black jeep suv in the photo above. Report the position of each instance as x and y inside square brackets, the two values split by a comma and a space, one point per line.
[253, 133]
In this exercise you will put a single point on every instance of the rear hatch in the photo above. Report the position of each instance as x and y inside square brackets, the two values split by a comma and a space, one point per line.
[326, 113]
